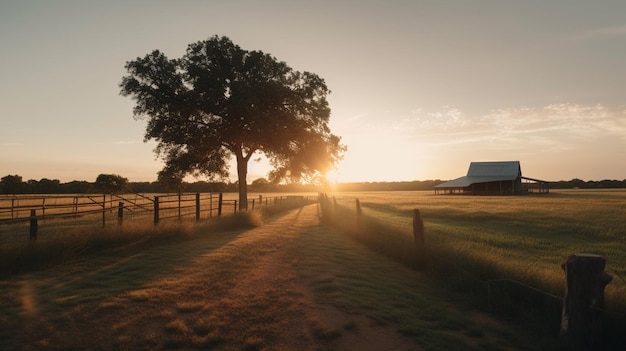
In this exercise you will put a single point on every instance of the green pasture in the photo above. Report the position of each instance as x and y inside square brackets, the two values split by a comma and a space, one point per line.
[480, 246]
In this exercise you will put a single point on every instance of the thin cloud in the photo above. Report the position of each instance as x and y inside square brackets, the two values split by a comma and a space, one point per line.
[557, 127]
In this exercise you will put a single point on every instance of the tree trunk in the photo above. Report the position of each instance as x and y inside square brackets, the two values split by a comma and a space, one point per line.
[242, 174]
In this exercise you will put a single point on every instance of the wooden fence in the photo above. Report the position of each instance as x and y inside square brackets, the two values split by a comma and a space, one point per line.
[117, 208]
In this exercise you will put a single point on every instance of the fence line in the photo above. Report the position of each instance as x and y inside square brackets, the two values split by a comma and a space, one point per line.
[490, 282]
[116, 208]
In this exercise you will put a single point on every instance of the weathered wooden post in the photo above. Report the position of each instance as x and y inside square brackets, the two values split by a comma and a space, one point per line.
[104, 208]
[219, 206]
[418, 229]
[235, 206]
[358, 215]
[179, 206]
[253, 204]
[120, 212]
[156, 210]
[260, 200]
[585, 280]
[197, 206]
[33, 225]
[75, 202]
[210, 205]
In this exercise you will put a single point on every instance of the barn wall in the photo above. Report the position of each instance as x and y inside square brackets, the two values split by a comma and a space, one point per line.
[504, 187]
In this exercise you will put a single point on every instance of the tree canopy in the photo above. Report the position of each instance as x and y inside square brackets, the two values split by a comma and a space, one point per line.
[220, 101]
[111, 183]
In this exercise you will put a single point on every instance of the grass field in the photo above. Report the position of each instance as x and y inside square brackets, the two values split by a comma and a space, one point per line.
[289, 284]
[500, 255]
[62, 240]
[484, 244]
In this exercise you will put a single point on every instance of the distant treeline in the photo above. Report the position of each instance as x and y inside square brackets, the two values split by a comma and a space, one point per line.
[592, 184]
[13, 184]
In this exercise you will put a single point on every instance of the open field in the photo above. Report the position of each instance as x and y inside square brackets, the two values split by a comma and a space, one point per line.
[292, 283]
[529, 236]
[481, 246]
[289, 284]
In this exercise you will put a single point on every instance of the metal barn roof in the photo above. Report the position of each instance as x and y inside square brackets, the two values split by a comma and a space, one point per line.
[509, 169]
[484, 172]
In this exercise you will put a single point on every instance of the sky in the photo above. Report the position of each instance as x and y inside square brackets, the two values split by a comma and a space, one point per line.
[419, 88]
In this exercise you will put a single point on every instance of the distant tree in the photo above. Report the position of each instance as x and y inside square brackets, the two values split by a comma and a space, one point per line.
[12, 184]
[170, 181]
[77, 187]
[578, 183]
[111, 183]
[260, 184]
[144, 187]
[219, 101]
[204, 186]
[47, 186]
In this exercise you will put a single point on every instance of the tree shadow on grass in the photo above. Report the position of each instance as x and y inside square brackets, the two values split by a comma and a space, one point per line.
[54, 291]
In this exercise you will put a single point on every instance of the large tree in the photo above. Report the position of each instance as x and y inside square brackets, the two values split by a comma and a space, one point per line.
[219, 101]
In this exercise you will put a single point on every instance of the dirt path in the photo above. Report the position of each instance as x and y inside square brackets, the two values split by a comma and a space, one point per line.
[265, 288]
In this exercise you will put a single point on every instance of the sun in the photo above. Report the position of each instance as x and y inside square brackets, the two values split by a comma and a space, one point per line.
[332, 176]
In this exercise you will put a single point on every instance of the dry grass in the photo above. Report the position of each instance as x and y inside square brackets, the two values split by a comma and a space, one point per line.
[477, 245]
[289, 284]
[65, 243]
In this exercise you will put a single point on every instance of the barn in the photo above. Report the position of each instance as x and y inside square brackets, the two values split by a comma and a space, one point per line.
[493, 178]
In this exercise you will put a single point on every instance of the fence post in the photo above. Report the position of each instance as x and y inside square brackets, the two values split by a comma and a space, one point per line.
[210, 205]
[581, 320]
[197, 206]
[104, 205]
[253, 204]
[156, 210]
[179, 216]
[120, 212]
[418, 229]
[260, 200]
[219, 206]
[358, 215]
[33, 225]
[235, 206]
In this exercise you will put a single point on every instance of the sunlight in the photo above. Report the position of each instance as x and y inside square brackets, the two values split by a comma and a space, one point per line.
[332, 176]
[27, 299]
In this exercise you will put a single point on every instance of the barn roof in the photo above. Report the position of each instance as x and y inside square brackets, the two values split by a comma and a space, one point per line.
[483, 172]
[506, 169]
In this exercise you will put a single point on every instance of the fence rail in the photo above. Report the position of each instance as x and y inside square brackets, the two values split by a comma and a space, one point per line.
[118, 208]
